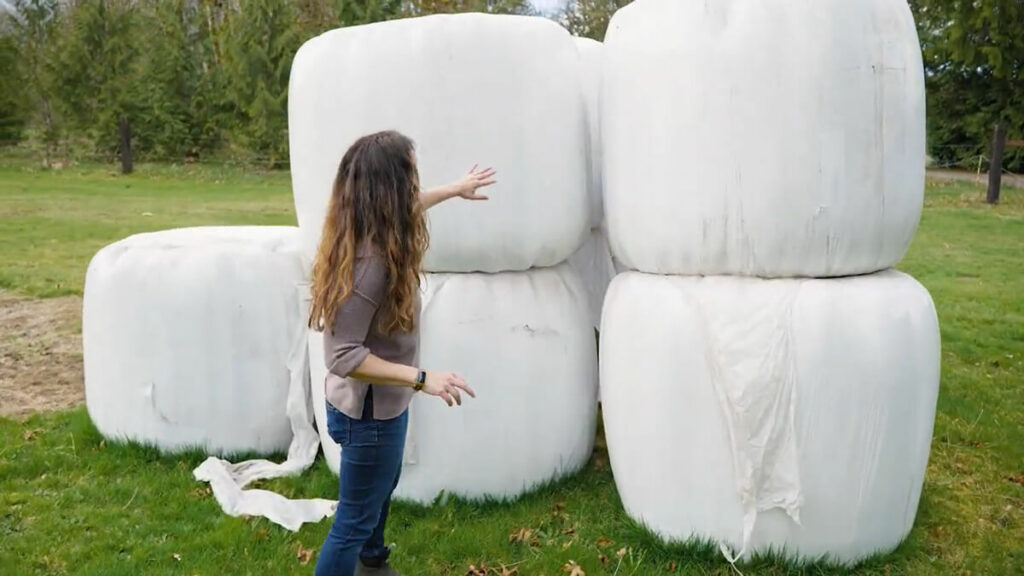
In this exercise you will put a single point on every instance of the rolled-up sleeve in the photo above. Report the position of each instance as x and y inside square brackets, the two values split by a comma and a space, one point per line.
[345, 348]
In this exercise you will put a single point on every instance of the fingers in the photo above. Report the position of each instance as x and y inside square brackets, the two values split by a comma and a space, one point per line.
[446, 397]
[464, 386]
[477, 197]
[452, 389]
[485, 173]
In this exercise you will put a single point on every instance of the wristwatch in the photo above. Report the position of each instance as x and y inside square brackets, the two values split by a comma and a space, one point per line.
[421, 379]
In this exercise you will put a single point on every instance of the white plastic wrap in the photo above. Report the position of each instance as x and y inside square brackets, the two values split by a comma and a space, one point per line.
[772, 138]
[503, 91]
[591, 61]
[524, 342]
[791, 414]
[187, 336]
[595, 269]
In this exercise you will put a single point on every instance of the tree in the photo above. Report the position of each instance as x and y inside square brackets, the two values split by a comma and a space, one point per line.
[263, 40]
[31, 26]
[590, 18]
[13, 99]
[425, 7]
[166, 125]
[98, 80]
[318, 16]
[974, 65]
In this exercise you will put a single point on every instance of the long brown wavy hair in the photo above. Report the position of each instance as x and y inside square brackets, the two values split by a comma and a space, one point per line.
[375, 200]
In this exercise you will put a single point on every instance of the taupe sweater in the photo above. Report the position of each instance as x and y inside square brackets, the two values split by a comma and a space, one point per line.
[357, 333]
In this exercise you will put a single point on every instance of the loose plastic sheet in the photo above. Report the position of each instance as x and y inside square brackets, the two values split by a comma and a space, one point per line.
[188, 337]
[524, 342]
[502, 91]
[591, 61]
[772, 138]
[783, 414]
[595, 269]
[229, 480]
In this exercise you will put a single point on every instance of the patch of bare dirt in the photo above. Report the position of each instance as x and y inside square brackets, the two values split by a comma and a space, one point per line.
[40, 354]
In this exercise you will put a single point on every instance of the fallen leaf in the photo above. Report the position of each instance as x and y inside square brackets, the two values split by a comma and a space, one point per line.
[508, 571]
[176, 557]
[520, 536]
[1017, 479]
[30, 435]
[474, 571]
[602, 558]
[304, 555]
[621, 552]
[569, 531]
[672, 566]
[573, 569]
[603, 542]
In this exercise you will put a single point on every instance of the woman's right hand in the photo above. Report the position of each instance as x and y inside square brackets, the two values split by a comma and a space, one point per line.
[447, 386]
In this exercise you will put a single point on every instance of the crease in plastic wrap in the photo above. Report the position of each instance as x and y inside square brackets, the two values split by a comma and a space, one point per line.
[187, 335]
[792, 415]
[228, 480]
[523, 115]
[515, 337]
[594, 267]
[776, 138]
[591, 62]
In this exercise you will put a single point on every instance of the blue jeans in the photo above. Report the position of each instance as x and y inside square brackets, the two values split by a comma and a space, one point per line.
[371, 463]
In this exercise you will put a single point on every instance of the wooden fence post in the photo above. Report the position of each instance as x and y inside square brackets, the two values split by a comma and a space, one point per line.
[127, 161]
[995, 167]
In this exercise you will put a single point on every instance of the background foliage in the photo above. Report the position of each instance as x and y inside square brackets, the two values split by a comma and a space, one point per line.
[208, 79]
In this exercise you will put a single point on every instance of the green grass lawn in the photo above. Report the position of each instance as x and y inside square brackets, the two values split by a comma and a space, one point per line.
[51, 223]
[71, 503]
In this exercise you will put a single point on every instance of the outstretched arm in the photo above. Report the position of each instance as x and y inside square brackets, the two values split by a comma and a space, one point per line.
[464, 188]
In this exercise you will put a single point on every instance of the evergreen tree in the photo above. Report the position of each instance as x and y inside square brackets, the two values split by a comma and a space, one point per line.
[13, 97]
[590, 18]
[168, 78]
[974, 70]
[97, 73]
[425, 7]
[31, 26]
[263, 40]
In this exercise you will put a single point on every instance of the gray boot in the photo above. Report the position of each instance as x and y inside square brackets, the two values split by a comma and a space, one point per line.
[384, 569]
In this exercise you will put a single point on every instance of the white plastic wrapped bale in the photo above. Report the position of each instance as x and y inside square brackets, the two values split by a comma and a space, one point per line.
[782, 414]
[591, 60]
[524, 342]
[503, 91]
[773, 138]
[187, 334]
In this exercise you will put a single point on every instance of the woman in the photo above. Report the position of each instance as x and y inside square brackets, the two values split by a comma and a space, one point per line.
[366, 300]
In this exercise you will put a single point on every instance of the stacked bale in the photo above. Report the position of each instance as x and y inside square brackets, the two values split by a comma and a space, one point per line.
[500, 307]
[749, 147]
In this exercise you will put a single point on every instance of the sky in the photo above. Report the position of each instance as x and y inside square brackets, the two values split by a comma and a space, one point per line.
[548, 6]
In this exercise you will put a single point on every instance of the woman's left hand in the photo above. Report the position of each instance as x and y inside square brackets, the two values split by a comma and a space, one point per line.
[474, 180]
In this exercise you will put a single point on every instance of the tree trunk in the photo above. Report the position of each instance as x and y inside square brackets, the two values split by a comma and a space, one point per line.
[127, 160]
[995, 167]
